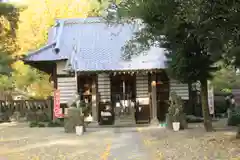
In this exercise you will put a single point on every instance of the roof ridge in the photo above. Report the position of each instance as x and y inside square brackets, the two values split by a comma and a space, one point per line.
[81, 20]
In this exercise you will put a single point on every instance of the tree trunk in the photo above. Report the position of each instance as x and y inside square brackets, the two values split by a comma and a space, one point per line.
[190, 102]
[205, 109]
[238, 132]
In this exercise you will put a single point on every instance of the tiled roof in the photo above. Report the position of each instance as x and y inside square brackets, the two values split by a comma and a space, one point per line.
[44, 54]
[99, 46]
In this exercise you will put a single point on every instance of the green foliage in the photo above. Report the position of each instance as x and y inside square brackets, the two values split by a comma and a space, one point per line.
[8, 26]
[32, 33]
[36, 21]
[11, 13]
[6, 83]
[36, 124]
[234, 119]
[41, 125]
[175, 107]
[33, 124]
[226, 78]
[220, 107]
[5, 63]
[181, 27]
[55, 124]
[188, 54]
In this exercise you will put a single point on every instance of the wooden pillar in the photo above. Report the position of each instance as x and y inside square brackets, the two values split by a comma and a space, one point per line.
[154, 120]
[94, 100]
[54, 75]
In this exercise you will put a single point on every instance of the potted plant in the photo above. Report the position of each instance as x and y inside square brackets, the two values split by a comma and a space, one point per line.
[175, 109]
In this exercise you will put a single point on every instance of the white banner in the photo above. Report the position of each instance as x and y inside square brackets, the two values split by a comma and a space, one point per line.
[210, 98]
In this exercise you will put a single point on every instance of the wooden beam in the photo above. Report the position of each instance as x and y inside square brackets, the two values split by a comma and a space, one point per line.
[94, 99]
[154, 120]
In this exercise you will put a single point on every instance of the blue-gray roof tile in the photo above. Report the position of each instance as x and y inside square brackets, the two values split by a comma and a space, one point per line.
[44, 54]
[99, 46]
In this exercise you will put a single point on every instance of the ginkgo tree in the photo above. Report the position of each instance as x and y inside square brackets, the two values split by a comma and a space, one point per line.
[39, 16]
[8, 25]
[32, 33]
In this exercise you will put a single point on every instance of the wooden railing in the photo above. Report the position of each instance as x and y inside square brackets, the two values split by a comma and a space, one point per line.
[29, 110]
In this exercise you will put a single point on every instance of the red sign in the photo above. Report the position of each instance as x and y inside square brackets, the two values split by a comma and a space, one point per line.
[57, 110]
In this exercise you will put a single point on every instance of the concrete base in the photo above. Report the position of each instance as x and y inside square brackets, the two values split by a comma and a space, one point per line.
[154, 122]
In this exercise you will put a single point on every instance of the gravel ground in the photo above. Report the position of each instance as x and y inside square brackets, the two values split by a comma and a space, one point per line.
[19, 142]
[22, 143]
[193, 144]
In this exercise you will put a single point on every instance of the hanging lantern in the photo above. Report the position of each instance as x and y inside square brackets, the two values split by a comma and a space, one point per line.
[153, 83]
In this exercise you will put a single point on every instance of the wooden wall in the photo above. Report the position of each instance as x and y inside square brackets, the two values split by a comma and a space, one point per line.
[180, 88]
[67, 87]
[104, 87]
[143, 99]
[60, 67]
[142, 86]
[66, 83]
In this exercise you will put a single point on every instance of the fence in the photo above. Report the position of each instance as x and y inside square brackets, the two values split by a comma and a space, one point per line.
[30, 110]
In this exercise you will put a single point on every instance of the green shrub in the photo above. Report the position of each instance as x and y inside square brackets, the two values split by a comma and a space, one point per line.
[220, 107]
[176, 107]
[55, 124]
[33, 124]
[41, 125]
[234, 119]
[175, 112]
[36, 124]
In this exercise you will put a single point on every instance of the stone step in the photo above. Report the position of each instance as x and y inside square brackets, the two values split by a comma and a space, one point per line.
[130, 122]
[124, 121]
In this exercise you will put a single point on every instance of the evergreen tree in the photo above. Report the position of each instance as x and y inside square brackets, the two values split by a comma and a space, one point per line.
[182, 27]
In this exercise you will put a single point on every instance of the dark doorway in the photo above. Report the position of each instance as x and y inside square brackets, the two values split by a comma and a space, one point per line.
[123, 87]
[123, 91]
[162, 95]
[84, 84]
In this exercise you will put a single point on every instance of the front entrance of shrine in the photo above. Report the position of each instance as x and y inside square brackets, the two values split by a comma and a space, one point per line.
[124, 98]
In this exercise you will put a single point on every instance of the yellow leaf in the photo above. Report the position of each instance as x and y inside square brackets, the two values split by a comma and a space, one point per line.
[40, 16]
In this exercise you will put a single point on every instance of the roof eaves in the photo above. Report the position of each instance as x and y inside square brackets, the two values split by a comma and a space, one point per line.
[41, 49]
